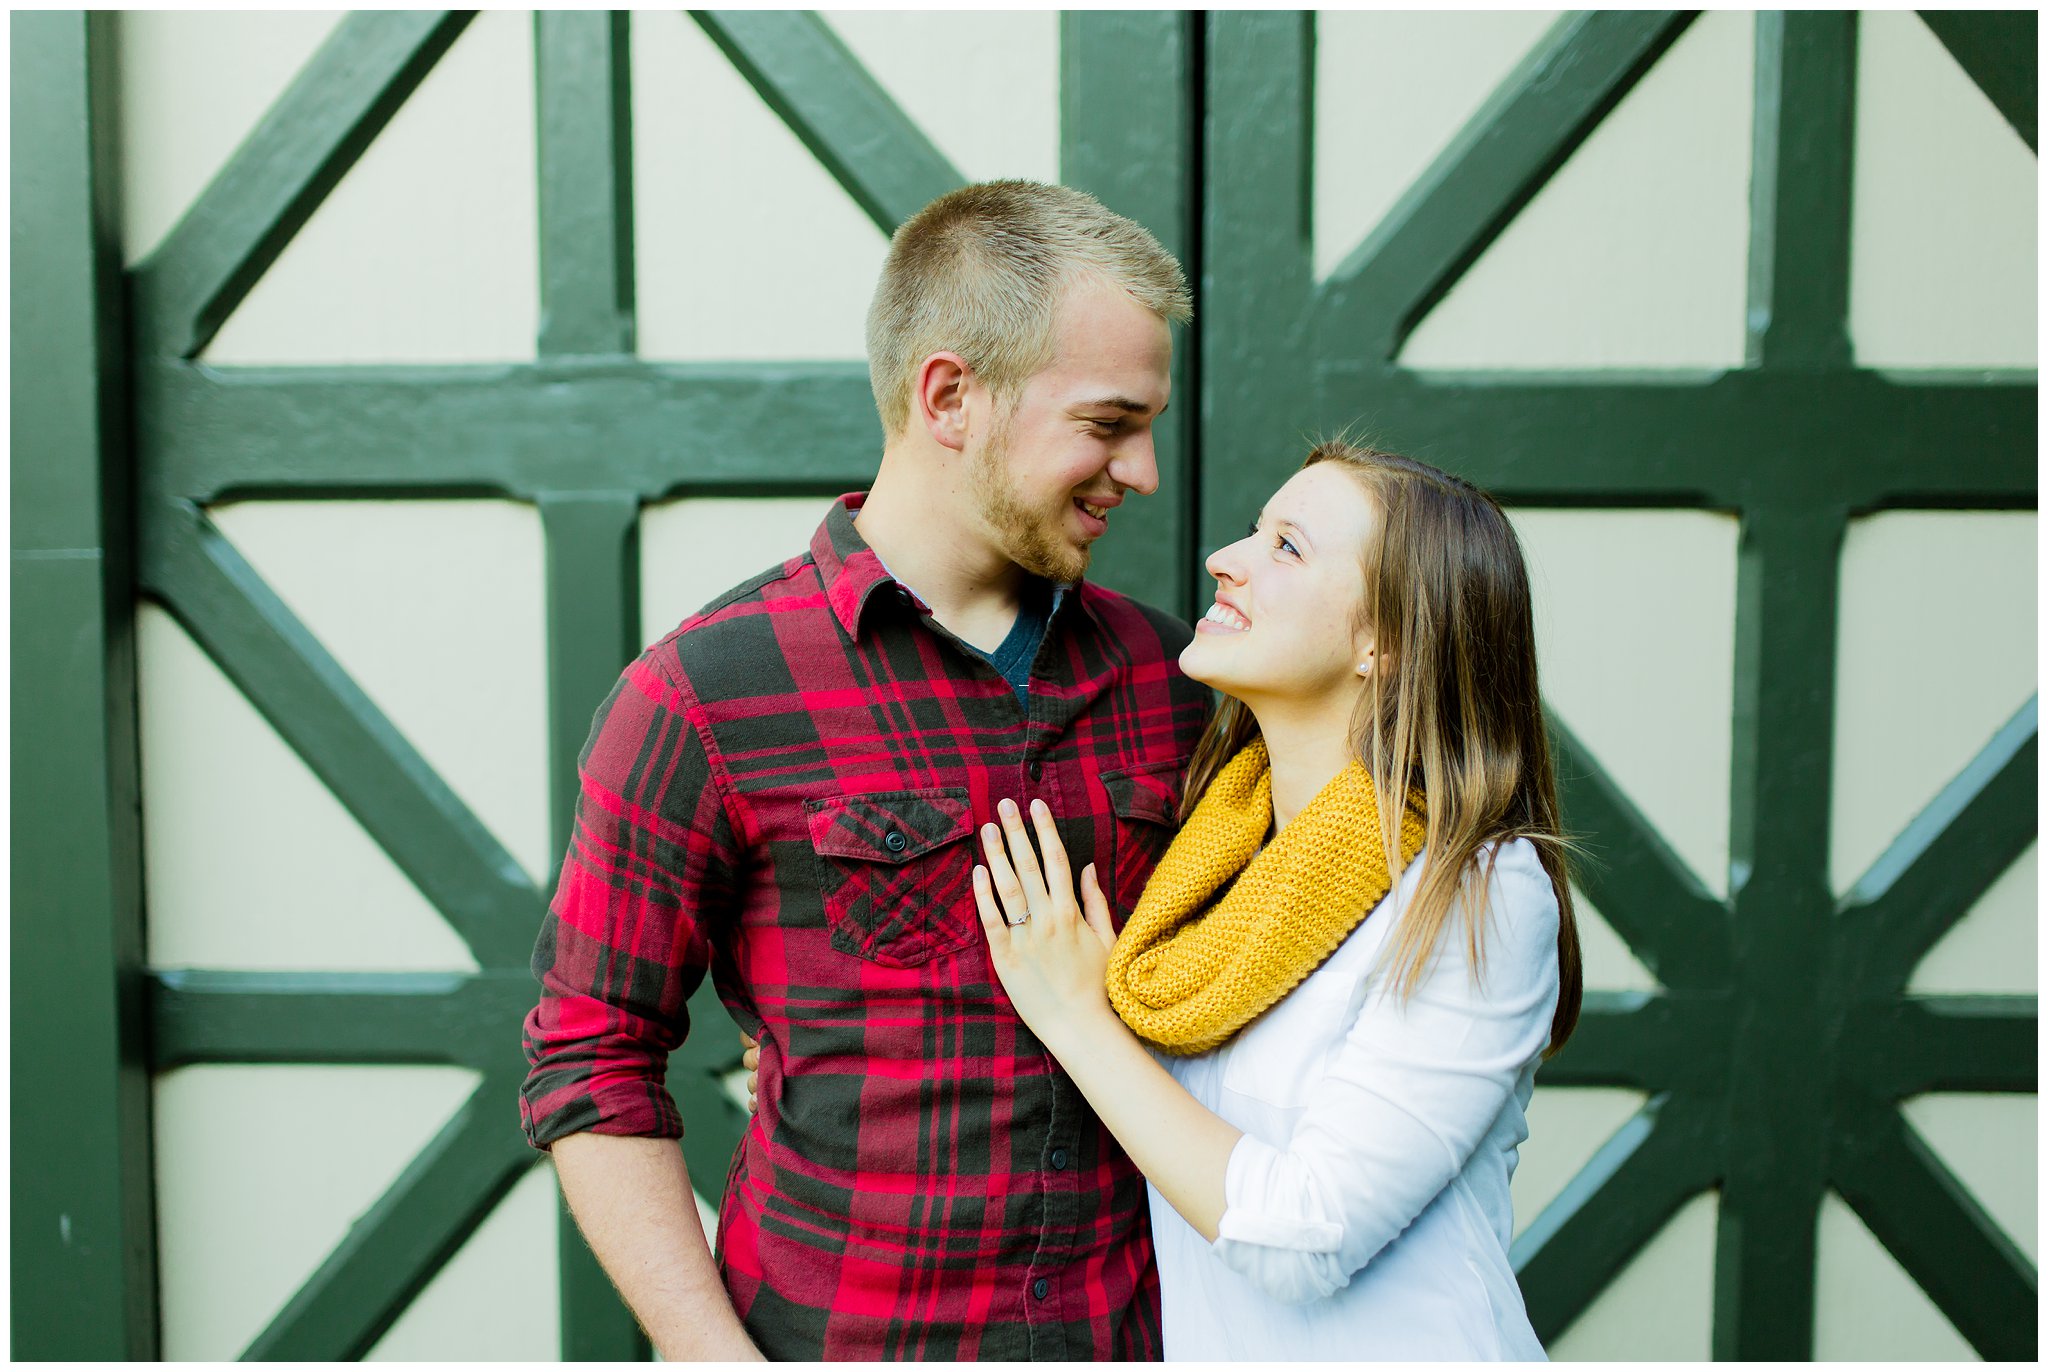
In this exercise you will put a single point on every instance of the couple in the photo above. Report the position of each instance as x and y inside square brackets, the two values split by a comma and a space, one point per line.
[1299, 1071]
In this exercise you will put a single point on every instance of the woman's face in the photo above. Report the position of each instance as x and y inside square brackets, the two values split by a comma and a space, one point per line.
[1281, 627]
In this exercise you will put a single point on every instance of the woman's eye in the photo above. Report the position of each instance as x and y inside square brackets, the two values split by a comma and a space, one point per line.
[1283, 544]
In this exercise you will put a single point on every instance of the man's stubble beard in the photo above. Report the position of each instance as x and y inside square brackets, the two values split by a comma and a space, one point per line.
[1030, 538]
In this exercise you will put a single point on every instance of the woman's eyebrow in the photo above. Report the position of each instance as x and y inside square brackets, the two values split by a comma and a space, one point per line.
[1301, 529]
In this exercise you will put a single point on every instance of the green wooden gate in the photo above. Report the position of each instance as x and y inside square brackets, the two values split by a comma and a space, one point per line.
[1775, 1055]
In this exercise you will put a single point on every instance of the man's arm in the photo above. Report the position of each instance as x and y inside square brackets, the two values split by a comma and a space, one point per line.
[632, 1199]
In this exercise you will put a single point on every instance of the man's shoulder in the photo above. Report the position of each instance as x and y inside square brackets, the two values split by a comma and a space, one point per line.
[725, 638]
[1125, 616]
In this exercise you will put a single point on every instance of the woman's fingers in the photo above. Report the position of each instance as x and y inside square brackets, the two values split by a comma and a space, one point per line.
[1022, 856]
[1095, 906]
[1009, 894]
[1059, 880]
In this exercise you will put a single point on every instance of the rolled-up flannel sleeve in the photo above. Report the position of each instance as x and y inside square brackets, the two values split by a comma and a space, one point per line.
[1409, 1096]
[649, 877]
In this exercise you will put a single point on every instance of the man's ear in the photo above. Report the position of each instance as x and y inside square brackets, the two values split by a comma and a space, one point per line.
[940, 399]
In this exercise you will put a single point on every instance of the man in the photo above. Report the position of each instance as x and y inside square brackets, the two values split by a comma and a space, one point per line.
[784, 792]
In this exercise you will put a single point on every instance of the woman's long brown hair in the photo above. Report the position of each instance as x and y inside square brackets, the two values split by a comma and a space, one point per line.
[1456, 714]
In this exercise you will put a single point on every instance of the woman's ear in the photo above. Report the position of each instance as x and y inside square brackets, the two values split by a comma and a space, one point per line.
[940, 397]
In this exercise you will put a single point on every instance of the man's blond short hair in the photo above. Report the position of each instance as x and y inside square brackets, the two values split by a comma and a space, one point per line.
[980, 272]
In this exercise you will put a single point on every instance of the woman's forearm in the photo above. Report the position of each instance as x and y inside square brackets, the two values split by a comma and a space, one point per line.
[1182, 1148]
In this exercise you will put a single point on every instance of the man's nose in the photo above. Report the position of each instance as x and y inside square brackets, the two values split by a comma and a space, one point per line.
[1136, 465]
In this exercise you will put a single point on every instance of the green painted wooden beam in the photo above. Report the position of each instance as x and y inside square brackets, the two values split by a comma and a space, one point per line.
[593, 616]
[1801, 164]
[583, 99]
[1901, 1047]
[282, 171]
[1790, 997]
[1127, 137]
[1646, 1041]
[1624, 1195]
[1955, 848]
[209, 434]
[1971, 1269]
[820, 90]
[291, 678]
[83, 1235]
[1672, 923]
[1999, 49]
[404, 1239]
[1507, 152]
[465, 1019]
[509, 431]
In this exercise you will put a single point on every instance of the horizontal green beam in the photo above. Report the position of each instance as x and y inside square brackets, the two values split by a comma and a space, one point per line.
[210, 434]
[1955, 848]
[377, 775]
[1998, 48]
[1627, 1192]
[1506, 153]
[1672, 923]
[394, 1250]
[1939, 1232]
[283, 169]
[1645, 1041]
[464, 1019]
[820, 90]
[1907, 1047]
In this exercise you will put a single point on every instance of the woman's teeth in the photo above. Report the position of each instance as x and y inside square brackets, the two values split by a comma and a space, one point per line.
[1219, 613]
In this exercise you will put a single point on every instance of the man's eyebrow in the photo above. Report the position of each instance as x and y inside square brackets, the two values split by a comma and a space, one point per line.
[1117, 402]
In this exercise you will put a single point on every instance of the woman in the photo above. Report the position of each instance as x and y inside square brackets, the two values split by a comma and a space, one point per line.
[1317, 1047]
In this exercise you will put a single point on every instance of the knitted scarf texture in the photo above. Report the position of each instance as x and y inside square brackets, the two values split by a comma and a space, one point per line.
[1191, 968]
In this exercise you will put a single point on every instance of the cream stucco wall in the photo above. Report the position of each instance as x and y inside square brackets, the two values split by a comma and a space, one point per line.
[1633, 257]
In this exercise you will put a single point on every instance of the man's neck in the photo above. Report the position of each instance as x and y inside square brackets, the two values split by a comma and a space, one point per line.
[920, 524]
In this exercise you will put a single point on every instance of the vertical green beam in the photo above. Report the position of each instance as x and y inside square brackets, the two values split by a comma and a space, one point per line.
[1800, 190]
[593, 589]
[584, 102]
[1127, 137]
[1790, 1004]
[1258, 382]
[84, 1243]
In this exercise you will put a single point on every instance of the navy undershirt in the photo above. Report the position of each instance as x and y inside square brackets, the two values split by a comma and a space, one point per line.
[1013, 657]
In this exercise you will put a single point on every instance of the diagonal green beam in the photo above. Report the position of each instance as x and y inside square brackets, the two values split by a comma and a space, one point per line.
[1968, 1266]
[583, 100]
[1916, 1044]
[1538, 117]
[466, 1019]
[1998, 50]
[1645, 1041]
[277, 178]
[1627, 1192]
[1951, 853]
[1799, 204]
[836, 109]
[344, 738]
[1651, 898]
[511, 431]
[395, 1249]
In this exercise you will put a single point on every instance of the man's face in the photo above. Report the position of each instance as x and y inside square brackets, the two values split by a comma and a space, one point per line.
[1077, 435]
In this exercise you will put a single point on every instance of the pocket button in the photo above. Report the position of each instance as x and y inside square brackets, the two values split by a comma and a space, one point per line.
[895, 842]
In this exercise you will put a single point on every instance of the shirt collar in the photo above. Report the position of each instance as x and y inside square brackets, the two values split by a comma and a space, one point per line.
[852, 571]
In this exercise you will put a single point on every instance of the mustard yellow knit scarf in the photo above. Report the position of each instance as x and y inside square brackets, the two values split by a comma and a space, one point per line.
[1190, 969]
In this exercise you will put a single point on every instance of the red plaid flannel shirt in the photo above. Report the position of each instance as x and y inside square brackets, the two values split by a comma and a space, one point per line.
[784, 791]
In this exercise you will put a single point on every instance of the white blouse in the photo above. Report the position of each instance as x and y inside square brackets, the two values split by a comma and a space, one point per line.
[1366, 1207]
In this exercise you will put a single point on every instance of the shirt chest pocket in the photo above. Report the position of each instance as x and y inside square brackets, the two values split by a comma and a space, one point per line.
[1282, 1056]
[1144, 800]
[896, 873]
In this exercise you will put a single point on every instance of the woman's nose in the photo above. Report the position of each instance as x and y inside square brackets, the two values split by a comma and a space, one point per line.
[1225, 565]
